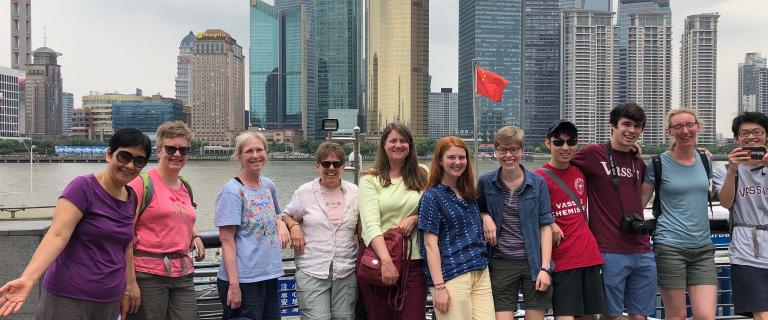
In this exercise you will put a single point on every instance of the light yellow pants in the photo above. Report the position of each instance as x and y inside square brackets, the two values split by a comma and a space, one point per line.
[469, 297]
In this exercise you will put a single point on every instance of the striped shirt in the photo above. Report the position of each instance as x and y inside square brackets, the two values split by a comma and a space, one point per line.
[510, 240]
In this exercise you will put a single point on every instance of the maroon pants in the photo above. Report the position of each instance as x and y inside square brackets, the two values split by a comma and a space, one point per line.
[415, 306]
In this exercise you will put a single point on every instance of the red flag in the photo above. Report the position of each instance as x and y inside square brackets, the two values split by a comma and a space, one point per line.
[490, 84]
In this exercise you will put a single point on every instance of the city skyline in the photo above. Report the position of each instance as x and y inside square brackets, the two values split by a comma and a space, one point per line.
[145, 37]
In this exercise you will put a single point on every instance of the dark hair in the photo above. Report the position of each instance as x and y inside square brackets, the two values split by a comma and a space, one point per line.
[328, 148]
[755, 117]
[629, 110]
[414, 177]
[466, 182]
[128, 138]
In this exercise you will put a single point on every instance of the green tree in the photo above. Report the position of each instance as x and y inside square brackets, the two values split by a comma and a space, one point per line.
[309, 146]
[368, 148]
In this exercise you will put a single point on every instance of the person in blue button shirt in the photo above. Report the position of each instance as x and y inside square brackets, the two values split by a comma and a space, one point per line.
[516, 212]
[457, 260]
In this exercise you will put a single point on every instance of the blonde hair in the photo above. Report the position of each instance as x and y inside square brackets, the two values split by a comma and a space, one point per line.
[509, 135]
[244, 137]
[678, 111]
[173, 129]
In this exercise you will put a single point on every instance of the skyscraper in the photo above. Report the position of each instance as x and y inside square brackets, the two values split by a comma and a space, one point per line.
[625, 10]
[490, 31]
[590, 68]
[10, 102]
[541, 67]
[146, 115]
[69, 105]
[297, 98]
[183, 62]
[99, 115]
[263, 65]
[698, 71]
[749, 82]
[397, 58]
[21, 33]
[43, 103]
[443, 113]
[336, 44]
[597, 5]
[217, 87]
[649, 70]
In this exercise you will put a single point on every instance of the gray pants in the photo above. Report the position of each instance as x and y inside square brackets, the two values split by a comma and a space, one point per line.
[325, 299]
[171, 298]
[54, 307]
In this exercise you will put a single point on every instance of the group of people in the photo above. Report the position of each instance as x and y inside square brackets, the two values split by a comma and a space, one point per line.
[570, 235]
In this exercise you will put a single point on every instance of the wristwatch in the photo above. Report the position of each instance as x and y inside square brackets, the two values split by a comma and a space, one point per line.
[547, 270]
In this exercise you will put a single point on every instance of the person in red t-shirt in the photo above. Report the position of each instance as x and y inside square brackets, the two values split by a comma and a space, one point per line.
[577, 281]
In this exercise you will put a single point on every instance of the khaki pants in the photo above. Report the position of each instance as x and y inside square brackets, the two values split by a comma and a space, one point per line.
[470, 297]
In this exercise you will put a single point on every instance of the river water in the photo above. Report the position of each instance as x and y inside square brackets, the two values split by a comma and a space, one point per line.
[39, 184]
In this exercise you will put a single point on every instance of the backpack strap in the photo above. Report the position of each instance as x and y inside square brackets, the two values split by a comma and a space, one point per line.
[566, 189]
[189, 190]
[147, 191]
[705, 162]
[656, 161]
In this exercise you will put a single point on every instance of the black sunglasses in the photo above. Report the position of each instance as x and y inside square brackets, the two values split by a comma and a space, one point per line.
[560, 142]
[327, 164]
[172, 150]
[125, 157]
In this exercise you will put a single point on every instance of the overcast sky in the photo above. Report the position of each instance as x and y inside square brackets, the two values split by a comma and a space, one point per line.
[112, 45]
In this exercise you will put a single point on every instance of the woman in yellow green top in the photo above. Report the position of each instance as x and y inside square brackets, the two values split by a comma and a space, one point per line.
[388, 197]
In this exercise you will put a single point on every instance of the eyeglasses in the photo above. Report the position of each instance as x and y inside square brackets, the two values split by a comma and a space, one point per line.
[125, 157]
[327, 164]
[504, 150]
[172, 150]
[680, 126]
[560, 142]
[754, 132]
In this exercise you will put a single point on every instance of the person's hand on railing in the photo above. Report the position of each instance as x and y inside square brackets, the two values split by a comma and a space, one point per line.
[13, 294]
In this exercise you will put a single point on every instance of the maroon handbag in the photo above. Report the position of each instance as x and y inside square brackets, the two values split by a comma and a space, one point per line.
[369, 268]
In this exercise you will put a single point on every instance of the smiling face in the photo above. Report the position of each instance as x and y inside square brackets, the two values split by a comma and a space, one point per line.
[626, 132]
[396, 147]
[684, 128]
[254, 156]
[747, 135]
[122, 163]
[564, 153]
[453, 162]
[178, 159]
[330, 177]
[509, 155]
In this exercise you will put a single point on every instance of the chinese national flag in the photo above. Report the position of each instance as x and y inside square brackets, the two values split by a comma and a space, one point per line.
[490, 84]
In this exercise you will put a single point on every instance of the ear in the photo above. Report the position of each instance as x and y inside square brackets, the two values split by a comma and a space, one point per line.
[108, 155]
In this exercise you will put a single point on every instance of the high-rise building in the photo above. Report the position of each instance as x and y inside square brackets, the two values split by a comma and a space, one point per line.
[625, 10]
[649, 71]
[21, 33]
[596, 5]
[146, 115]
[43, 103]
[99, 107]
[69, 105]
[217, 89]
[263, 57]
[336, 45]
[183, 63]
[397, 59]
[749, 73]
[590, 68]
[541, 67]
[698, 71]
[443, 113]
[490, 31]
[297, 98]
[82, 124]
[10, 102]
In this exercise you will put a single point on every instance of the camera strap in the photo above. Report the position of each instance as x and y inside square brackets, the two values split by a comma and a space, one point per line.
[615, 174]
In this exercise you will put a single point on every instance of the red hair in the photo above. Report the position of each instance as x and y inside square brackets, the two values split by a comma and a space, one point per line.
[466, 182]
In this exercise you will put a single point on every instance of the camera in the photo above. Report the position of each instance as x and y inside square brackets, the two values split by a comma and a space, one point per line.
[635, 224]
[756, 153]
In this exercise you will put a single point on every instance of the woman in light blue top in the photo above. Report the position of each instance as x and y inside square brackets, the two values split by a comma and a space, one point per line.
[684, 253]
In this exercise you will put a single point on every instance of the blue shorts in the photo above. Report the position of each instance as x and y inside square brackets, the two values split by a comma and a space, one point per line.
[629, 281]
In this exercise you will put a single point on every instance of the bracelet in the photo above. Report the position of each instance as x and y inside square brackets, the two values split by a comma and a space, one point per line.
[293, 225]
[197, 236]
[440, 288]
[438, 284]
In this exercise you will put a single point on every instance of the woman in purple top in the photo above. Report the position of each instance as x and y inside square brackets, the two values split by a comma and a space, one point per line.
[84, 249]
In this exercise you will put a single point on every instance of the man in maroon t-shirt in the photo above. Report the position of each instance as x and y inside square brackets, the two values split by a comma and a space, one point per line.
[614, 176]
[577, 281]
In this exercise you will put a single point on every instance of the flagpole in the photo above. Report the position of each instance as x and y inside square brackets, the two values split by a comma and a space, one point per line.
[474, 115]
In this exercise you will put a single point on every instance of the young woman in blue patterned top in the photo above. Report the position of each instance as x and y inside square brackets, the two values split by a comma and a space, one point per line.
[457, 260]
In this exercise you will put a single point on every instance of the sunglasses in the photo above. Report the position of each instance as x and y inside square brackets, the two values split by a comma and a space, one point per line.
[125, 157]
[560, 142]
[327, 164]
[172, 150]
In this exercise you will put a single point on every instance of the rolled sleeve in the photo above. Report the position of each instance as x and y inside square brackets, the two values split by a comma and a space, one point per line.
[368, 204]
[229, 208]
[429, 215]
[545, 215]
[650, 176]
